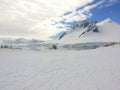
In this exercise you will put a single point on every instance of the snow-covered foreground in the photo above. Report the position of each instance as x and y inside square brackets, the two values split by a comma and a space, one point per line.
[97, 69]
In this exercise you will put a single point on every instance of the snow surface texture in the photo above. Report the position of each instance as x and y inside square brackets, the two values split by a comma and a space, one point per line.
[96, 69]
[105, 31]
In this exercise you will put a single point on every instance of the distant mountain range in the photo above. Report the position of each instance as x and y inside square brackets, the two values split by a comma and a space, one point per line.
[9, 41]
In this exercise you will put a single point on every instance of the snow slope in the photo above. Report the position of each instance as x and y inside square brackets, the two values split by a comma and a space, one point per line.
[106, 31]
[96, 69]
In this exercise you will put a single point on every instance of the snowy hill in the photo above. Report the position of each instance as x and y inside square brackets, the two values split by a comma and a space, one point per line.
[97, 69]
[83, 32]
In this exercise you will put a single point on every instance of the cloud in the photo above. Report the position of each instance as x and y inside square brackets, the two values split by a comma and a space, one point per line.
[111, 2]
[108, 3]
[81, 14]
[41, 18]
[34, 18]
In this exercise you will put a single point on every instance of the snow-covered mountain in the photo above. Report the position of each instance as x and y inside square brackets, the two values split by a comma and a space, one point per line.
[1, 42]
[84, 32]
[10, 41]
[84, 35]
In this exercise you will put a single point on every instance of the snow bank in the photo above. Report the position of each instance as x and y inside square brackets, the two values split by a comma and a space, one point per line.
[96, 69]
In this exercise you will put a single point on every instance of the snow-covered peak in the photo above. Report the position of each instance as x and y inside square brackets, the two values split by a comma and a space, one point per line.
[22, 40]
[105, 31]
[106, 21]
[83, 24]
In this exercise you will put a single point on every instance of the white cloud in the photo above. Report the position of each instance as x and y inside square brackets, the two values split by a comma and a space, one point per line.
[109, 3]
[34, 18]
[38, 18]
[83, 13]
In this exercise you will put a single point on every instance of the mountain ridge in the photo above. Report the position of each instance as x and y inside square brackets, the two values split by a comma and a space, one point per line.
[105, 31]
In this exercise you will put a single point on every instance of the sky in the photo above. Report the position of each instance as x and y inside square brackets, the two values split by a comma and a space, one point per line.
[46, 19]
